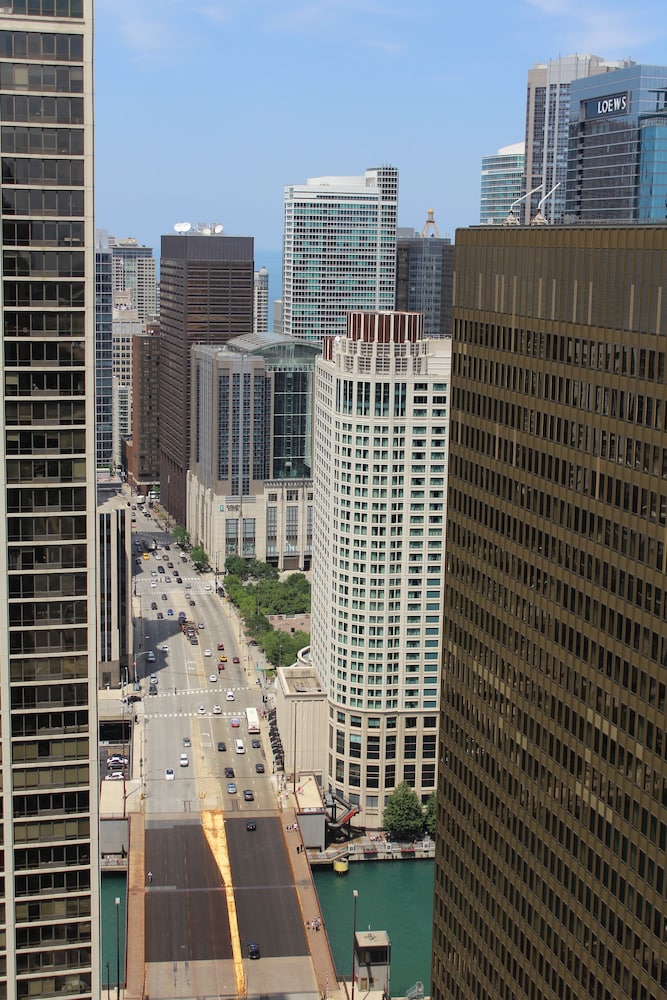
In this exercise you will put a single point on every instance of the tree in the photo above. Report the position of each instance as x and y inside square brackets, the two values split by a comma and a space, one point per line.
[403, 816]
[430, 814]
[236, 566]
[181, 536]
[199, 557]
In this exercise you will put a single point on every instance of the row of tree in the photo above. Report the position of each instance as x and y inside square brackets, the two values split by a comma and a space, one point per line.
[404, 816]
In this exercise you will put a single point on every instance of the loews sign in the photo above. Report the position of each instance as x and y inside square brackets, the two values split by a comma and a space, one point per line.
[615, 104]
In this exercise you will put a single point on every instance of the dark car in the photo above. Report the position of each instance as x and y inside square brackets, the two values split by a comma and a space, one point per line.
[255, 744]
[160, 615]
[192, 603]
[178, 579]
[236, 660]
[248, 795]
[222, 745]
[229, 772]
[152, 689]
[132, 698]
[153, 606]
[259, 768]
[253, 949]
[160, 569]
[251, 825]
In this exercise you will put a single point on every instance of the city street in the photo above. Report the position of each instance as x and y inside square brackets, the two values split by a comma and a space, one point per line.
[216, 884]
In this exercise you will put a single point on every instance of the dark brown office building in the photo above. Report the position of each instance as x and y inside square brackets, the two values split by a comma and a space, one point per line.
[206, 297]
[552, 792]
[142, 451]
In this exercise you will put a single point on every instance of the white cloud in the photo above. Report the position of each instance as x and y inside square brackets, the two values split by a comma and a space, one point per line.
[605, 29]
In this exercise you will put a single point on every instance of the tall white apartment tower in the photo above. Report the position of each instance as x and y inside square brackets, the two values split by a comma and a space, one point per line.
[547, 128]
[339, 251]
[49, 895]
[260, 301]
[380, 483]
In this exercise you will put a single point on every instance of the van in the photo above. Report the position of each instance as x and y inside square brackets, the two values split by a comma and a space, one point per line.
[238, 746]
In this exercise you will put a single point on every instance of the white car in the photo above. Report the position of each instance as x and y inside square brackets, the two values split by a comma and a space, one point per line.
[153, 583]
[185, 760]
[207, 588]
[169, 774]
[217, 710]
[213, 678]
[165, 648]
[207, 652]
[201, 710]
[230, 696]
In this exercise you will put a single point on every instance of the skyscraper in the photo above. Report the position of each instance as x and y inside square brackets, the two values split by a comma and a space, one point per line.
[49, 913]
[339, 251]
[547, 126]
[134, 271]
[424, 269]
[616, 167]
[380, 476]
[103, 353]
[502, 183]
[260, 316]
[552, 831]
[206, 295]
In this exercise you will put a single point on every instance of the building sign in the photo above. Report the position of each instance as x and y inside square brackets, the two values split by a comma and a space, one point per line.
[600, 107]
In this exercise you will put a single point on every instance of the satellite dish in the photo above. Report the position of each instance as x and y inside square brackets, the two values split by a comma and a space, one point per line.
[217, 228]
[206, 231]
[182, 227]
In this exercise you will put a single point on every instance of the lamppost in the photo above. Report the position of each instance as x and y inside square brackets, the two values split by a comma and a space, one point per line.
[134, 664]
[355, 896]
[118, 948]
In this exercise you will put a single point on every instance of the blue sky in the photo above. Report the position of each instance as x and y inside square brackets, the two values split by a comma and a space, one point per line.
[206, 109]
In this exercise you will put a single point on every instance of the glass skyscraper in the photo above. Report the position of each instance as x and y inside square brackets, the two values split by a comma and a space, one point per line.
[502, 183]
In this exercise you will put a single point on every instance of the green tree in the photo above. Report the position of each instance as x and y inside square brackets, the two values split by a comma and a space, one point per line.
[236, 566]
[403, 816]
[199, 557]
[430, 814]
[181, 536]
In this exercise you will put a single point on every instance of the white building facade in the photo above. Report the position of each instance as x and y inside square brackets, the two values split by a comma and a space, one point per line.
[339, 251]
[380, 478]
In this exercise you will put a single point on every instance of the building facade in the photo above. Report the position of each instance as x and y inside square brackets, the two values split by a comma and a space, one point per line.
[142, 451]
[250, 491]
[424, 269]
[206, 296]
[126, 326]
[547, 129]
[552, 829]
[260, 317]
[49, 912]
[103, 354]
[502, 183]
[380, 474]
[617, 152]
[134, 272]
[339, 251]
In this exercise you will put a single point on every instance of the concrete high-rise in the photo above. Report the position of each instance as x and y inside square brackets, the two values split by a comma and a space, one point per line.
[339, 251]
[206, 296]
[103, 353]
[143, 450]
[134, 272]
[547, 126]
[502, 183]
[617, 162]
[552, 830]
[380, 476]
[49, 890]
[261, 301]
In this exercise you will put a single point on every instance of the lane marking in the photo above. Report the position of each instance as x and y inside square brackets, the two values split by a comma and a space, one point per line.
[214, 829]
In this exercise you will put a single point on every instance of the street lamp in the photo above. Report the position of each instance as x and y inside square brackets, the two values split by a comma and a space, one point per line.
[118, 948]
[355, 896]
[136, 657]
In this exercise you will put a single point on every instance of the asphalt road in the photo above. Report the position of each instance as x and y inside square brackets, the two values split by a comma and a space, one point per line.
[189, 949]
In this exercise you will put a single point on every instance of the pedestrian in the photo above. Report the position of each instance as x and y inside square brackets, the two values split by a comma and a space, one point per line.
[307, 925]
[150, 877]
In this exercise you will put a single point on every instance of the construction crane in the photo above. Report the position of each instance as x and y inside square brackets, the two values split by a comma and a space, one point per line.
[430, 228]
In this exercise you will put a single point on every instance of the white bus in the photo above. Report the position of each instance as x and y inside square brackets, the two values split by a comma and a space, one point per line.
[252, 718]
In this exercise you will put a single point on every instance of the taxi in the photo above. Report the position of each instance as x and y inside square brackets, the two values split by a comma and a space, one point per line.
[222, 658]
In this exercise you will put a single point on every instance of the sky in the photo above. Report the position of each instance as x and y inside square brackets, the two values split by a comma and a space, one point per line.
[207, 109]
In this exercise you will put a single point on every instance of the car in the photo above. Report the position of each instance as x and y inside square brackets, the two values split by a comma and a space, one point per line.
[153, 605]
[251, 825]
[255, 744]
[170, 565]
[151, 656]
[192, 604]
[170, 613]
[164, 597]
[230, 695]
[167, 579]
[178, 579]
[152, 689]
[221, 645]
[153, 678]
[259, 768]
[146, 555]
[213, 678]
[165, 648]
[168, 548]
[229, 772]
[169, 774]
[231, 787]
[201, 710]
[153, 583]
[131, 699]
[207, 652]
[194, 641]
[222, 746]
[236, 660]
[138, 562]
[201, 626]
[116, 776]
[184, 761]
[207, 588]
[153, 572]
[160, 616]
[187, 742]
[160, 569]
[253, 949]
[116, 759]
[217, 710]
[222, 658]
[235, 723]
[248, 795]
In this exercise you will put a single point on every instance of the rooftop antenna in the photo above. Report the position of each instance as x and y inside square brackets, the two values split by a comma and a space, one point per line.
[539, 219]
[511, 219]
[182, 227]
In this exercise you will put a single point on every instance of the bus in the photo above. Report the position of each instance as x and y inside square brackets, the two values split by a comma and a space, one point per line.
[252, 718]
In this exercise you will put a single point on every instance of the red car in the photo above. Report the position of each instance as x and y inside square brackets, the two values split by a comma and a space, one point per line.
[236, 660]
[221, 645]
